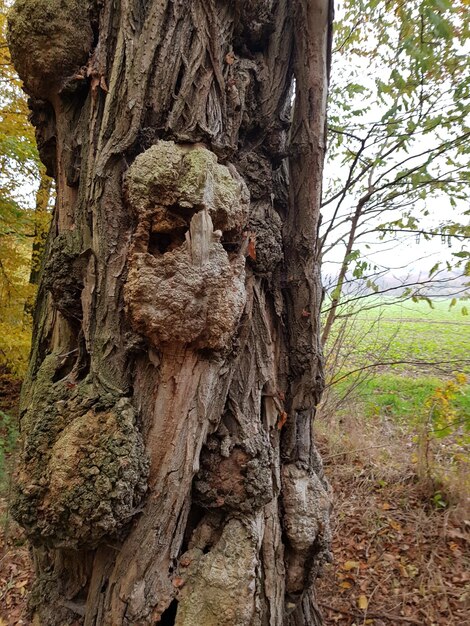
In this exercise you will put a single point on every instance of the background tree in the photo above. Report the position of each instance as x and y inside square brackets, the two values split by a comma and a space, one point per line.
[168, 468]
[399, 137]
[19, 220]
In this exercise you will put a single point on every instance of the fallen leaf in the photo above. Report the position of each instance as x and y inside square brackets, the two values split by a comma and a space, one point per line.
[395, 525]
[456, 534]
[282, 420]
[403, 571]
[350, 565]
[252, 248]
[362, 602]
[412, 570]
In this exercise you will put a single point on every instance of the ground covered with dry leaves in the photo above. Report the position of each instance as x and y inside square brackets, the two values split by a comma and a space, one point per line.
[400, 557]
[16, 575]
[16, 570]
[401, 554]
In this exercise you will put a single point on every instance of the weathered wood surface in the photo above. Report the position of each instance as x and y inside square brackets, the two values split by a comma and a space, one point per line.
[169, 473]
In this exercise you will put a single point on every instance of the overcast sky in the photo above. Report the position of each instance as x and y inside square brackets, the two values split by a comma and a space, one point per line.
[405, 252]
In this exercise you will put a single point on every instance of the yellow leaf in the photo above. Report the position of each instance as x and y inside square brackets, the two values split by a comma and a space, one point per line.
[395, 525]
[345, 585]
[403, 571]
[362, 602]
[412, 570]
[349, 565]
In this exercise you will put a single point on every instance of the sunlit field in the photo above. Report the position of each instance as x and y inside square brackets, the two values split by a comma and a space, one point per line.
[395, 356]
[407, 337]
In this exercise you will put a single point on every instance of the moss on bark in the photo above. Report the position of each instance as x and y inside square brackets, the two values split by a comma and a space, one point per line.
[49, 40]
[84, 466]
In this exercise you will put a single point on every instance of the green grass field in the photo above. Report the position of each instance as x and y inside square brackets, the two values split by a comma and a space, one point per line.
[401, 354]
[414, 336]
[395, 395]
[418, 332]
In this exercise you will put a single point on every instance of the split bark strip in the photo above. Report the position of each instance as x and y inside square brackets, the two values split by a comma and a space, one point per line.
[303, 282]
[307, 150]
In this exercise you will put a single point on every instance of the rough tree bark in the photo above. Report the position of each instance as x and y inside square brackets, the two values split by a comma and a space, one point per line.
[169, 473]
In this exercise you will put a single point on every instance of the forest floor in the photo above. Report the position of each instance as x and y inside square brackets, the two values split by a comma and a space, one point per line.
[394, 432]
[401, 545]
[16, 568]
[397, 559]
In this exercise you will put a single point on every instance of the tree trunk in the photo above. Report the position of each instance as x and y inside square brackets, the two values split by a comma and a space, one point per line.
[41, 223]
[169, 473]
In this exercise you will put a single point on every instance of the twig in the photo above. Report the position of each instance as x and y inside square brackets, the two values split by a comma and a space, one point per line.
[404, 362]
[379, 529]
[346, 452]
[366, 612]
[392, 618]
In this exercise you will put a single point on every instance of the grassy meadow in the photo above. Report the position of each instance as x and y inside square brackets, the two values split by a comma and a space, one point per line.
[404, 350]
[404, 368]
[408, 336]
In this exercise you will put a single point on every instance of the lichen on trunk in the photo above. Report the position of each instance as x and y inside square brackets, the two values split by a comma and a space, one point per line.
[169, 472]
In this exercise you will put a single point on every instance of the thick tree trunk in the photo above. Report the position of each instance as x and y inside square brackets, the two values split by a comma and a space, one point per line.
[169, 473]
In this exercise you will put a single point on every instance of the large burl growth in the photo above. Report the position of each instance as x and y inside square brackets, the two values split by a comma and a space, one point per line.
[84, 466]
[183, 287]
[49, 40]
[168, 470]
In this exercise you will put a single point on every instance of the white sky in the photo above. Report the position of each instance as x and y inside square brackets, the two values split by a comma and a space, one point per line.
[400, 252]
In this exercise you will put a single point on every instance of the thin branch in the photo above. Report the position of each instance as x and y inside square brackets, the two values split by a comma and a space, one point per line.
[388, 616]
[387, 363]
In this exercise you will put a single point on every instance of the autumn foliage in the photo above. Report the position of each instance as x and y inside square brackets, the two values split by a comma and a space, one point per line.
[22, 225]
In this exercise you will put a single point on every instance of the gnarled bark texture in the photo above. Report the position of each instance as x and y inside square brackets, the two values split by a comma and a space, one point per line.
[169, 473]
